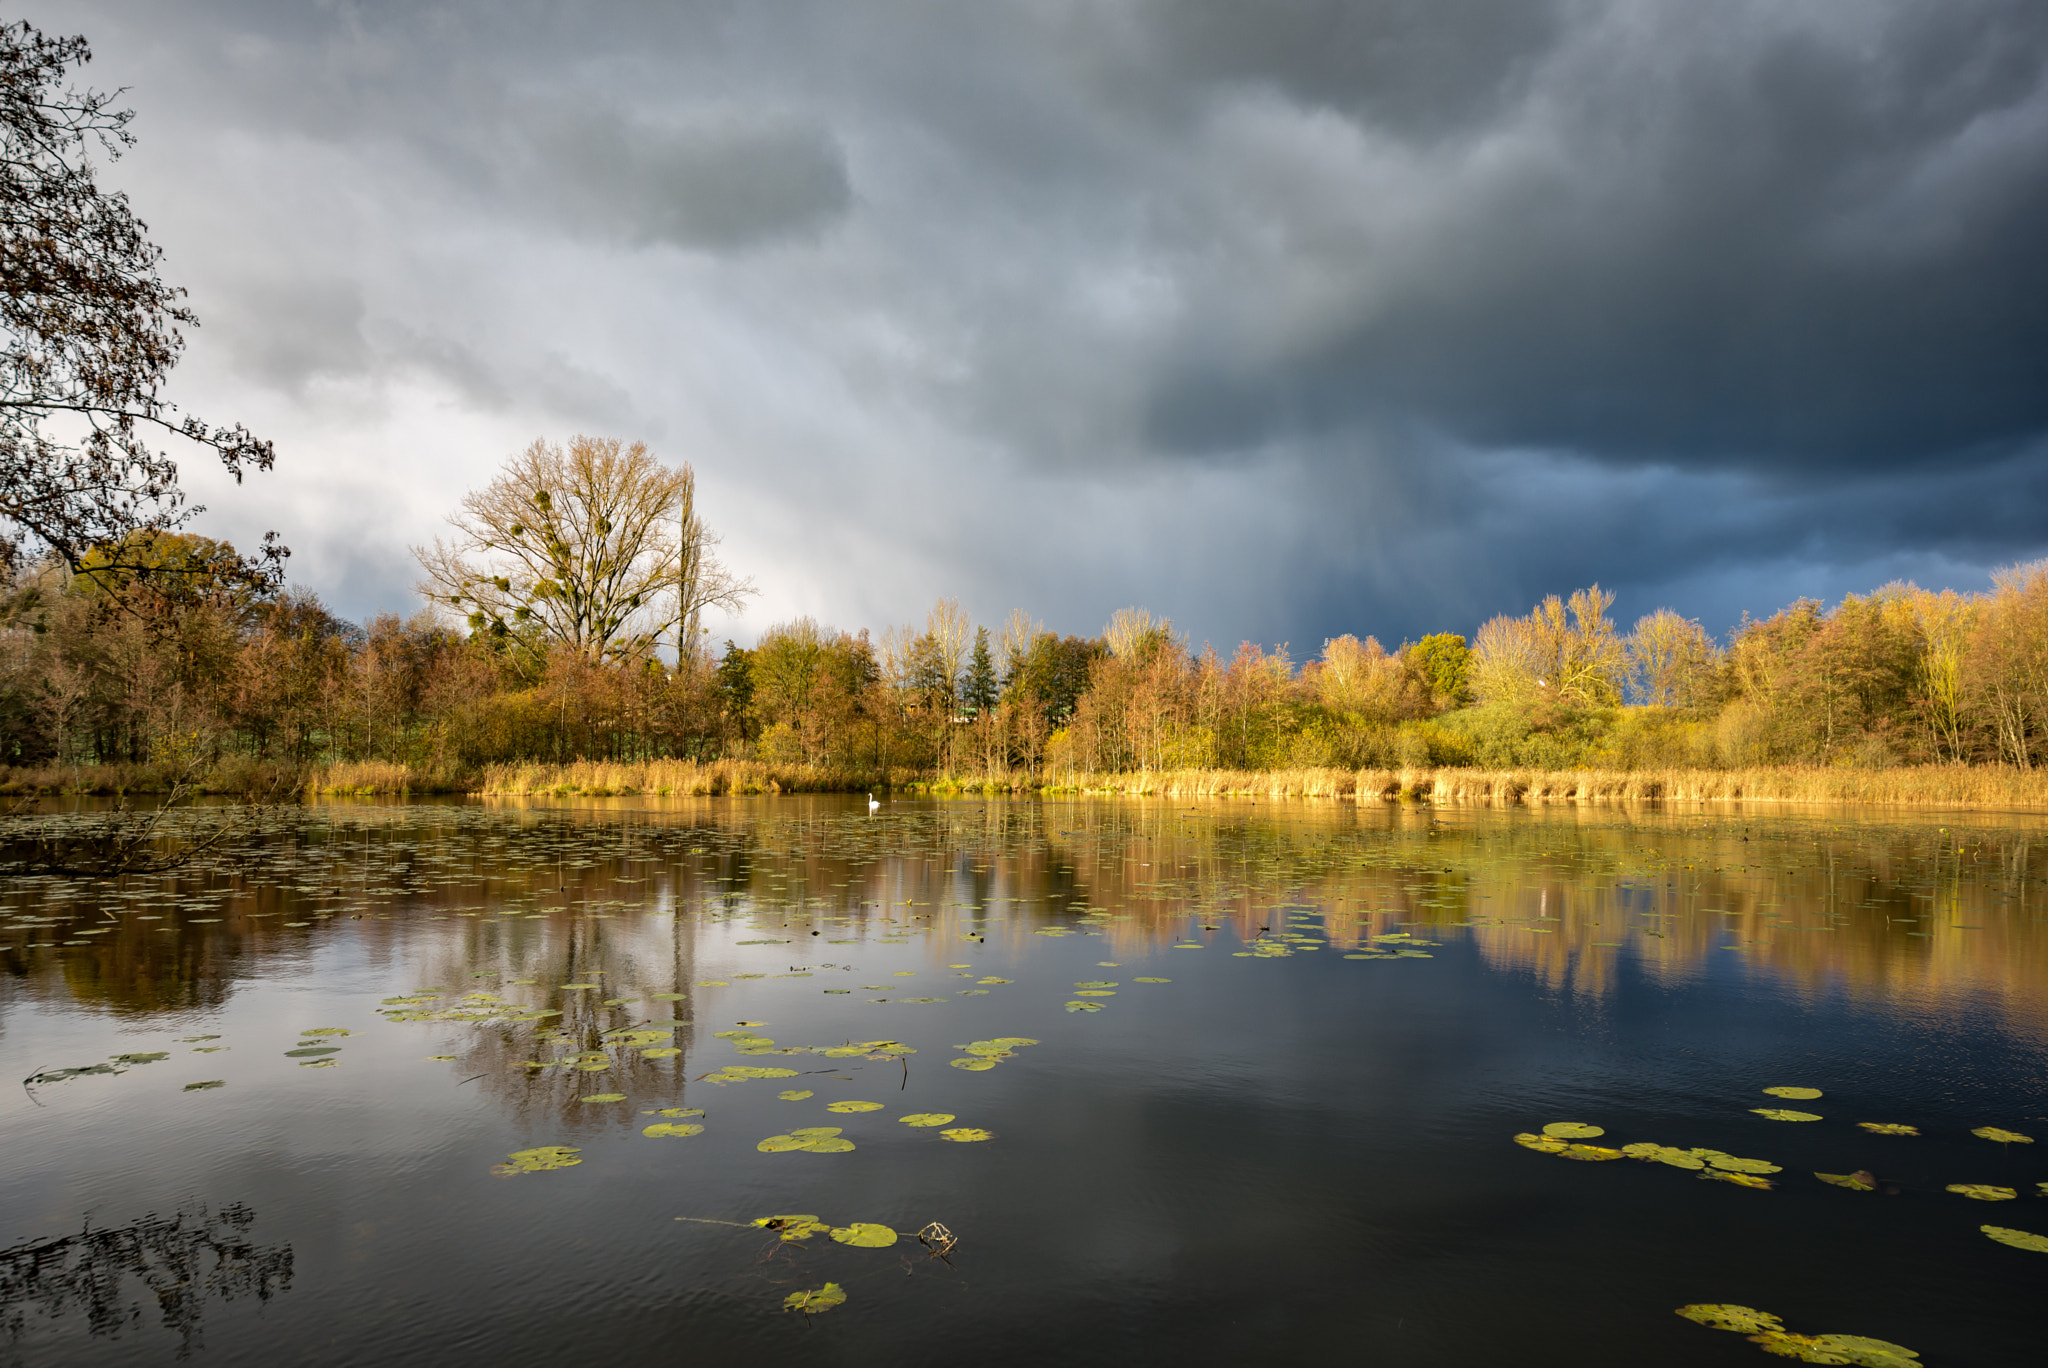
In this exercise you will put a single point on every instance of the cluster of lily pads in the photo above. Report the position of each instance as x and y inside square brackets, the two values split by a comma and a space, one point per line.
[979, 1056]
[1769, 1331]
[831, 1139]
[1567, 1140]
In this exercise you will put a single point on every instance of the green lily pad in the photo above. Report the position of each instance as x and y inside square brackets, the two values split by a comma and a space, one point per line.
[1151, 980]
[1837, 1349]
[782, 1144]
[2003, 1137]
[675, 1128]
[1888, 1128]
[865, 1235]
[149, 1058]
[209, 1083]
[1983, 1192]
[1084, 1006]
[312, 1050]
[794, 1094]
[1542, 1144]
[319, 1063]
[1743, 1320]
[740, 1073]
[926, 1118]
[1729, 1163]
[1572, 1130]
[829, 1146]
[1096, 983]
[661, 1052]
[1094, 992]
[572, 986]
[605, 1097]
[815, 1300]
[1664, 1154]
[680, 1111]
[1855, 1182]
[852, 1106]
[967, 1134]
[1794, 1094]
[539, 1160]
[816, 1132]
[1780, 1114]
[327, 1031]
[2018, 1239]
[1593, 1154]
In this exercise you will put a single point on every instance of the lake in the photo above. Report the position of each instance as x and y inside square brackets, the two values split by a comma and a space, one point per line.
[1229, 1082]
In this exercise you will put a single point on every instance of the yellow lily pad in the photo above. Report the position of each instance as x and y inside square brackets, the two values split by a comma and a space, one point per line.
[605, 1097]
[1888, 1128]
[1729, 1163]
[1855, 1182]
[974, 1063]
[1748, 1180]
[1794, 1094]
[865, 1235]
[675, 1128]
[926, 1118]
[1781, 1114]
[1593, 1154]
[2018, 1239]
[539, 1160]
[853, 1106]
[794, 1094]
[2002, 1136]
[815, 1300]
[967, 1134]
[792, 1227]
[779, 1144]
[1743, 1320]
[1837, 1349]
[1572, 1130]
[1542, 1144]
[1983, 1192]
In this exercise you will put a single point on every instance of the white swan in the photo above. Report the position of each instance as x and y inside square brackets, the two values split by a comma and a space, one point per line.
[872, 805]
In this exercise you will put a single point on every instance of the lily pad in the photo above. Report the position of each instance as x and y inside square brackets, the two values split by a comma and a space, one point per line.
[1781, 1114]
[1983, 1192]
[1794, 1094]
[792, 1227]
[794, 1094]
[1888, 1128]
[539, 1160]
[312, 1050]
[150, 1058]
[782, 1144]
[2003, 1137]
[1859, 1181]
[926, 1118]
[1084, 1006]
[327, 1031]
[1748, 1180]
[1589, 1153]
[605, 1097]
[2018, 1239]
[865, 1235]
[830, 1146]
[853, 1106]
[675, 1128]
[1096, 983]
[973, 1063]
[1743, 1320]
[815, 1300]
[1151, 980]
[1837, 1349]
[209, 1083]
[680, 1111]
[1729, 1163]
[967, 1134]
[1664, 1154]
[1542, 1144]
[1572, 1130]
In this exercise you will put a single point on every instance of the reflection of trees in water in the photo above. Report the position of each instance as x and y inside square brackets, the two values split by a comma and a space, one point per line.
[182, 1260]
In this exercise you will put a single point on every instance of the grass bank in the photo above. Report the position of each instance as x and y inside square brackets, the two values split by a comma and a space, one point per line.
[1928, 786]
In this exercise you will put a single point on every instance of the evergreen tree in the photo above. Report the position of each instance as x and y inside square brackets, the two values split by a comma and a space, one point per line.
[979, 690]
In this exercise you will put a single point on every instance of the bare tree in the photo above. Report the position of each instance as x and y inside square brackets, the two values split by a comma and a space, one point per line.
[89, 330]
[1672, 660]
[596, 546]
[950, 634]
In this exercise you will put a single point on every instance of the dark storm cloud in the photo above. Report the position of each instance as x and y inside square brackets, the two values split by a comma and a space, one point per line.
[1285, 318]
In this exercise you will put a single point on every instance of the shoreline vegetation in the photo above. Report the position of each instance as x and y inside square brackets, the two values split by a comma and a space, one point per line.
[1928, 786]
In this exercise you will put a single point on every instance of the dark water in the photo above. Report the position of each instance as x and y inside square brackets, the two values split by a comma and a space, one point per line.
[1285, 1153]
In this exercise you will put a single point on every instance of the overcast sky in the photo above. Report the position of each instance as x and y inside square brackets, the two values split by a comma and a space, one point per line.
[1283, 319]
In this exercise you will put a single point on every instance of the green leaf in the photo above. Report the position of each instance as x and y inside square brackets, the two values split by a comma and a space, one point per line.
[864, 1235]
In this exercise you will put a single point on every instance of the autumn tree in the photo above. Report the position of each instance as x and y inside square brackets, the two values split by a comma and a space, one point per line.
[1673, 662]
[89, 329]
[1564, 650]
[596, 547]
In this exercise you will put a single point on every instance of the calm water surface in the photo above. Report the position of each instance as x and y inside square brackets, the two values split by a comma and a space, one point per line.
[1279, 1055]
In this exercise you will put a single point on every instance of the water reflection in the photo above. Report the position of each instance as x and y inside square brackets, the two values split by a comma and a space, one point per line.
[628, 896]
[181, 1262]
